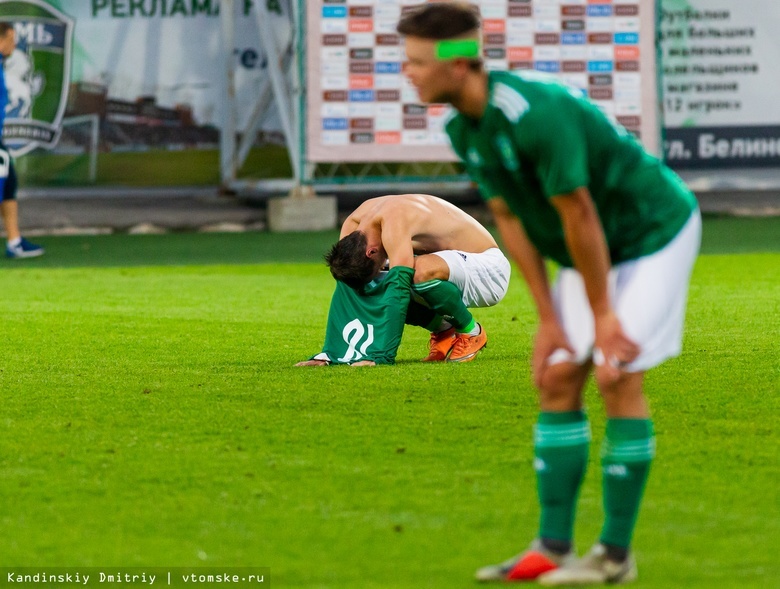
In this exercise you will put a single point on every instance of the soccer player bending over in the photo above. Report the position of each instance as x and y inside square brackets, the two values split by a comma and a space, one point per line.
[456, 263]
[568, 184]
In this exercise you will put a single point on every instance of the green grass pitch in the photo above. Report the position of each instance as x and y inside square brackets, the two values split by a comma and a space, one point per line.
[152, 417]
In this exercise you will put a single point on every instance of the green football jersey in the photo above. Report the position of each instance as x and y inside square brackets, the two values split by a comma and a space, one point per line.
[539, 138]
[368, 324]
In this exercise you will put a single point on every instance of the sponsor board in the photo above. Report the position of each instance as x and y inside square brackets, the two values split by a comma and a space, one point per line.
[37, 74]
[587, 45]
[720, 80]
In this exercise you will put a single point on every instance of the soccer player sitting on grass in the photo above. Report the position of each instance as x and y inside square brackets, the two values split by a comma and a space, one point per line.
[566, 183]
[452, 260]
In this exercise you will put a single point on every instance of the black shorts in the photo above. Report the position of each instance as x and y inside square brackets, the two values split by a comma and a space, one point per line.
[7, 174]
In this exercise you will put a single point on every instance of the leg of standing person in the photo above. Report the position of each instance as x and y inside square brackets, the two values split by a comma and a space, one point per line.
[16, 246]
[561, 447]
[561, 439]
[650, 297]
[627, 452]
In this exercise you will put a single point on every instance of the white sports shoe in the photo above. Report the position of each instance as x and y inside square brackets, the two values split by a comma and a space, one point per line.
[24, 249]
[592, 569]
[526, 566]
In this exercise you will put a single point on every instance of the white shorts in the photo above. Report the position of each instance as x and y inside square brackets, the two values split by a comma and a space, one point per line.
[648, 294]
[482, 278]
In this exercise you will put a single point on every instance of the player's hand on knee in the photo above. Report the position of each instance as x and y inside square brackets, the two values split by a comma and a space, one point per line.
[550, 341]
[613, 349]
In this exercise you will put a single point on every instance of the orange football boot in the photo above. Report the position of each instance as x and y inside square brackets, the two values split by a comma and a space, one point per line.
[440, 345]
[468, 346]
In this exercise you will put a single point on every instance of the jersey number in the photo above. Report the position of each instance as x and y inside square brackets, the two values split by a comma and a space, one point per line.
[353, 333]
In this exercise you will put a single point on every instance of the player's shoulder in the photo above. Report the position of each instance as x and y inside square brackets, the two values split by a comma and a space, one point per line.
[367, 210]
[529, 95]
[508, 94]
[395, 203]
[386, 207]
[530, 87]
[404, 210]
[528, 81]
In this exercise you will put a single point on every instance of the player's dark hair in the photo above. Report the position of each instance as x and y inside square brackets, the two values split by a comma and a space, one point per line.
[5, 26]
[348, 261]
[439, 21]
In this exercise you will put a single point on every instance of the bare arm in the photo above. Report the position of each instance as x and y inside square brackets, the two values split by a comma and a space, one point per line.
[550, 335]
[349, 225]
[525, 255]
[397, 240]
[587, 246]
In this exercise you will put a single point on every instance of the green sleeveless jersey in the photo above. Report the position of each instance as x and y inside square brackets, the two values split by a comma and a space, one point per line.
[368, 324]
[539, 138]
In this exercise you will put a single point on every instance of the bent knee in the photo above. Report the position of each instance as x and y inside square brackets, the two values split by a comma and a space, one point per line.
[560, 386]
[424, 275]
[430, 267]
[604, 382]
[627, 383]
[608, 384]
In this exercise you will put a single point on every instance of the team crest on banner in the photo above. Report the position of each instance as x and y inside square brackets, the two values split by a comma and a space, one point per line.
[37, 74]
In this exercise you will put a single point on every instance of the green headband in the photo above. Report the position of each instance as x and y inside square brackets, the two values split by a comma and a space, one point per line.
[459, 48]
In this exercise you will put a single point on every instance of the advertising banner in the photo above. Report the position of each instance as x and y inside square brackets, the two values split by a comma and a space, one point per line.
[721, 82]
[37, 75]
[149, 73]
[361, 108]
[140, 84]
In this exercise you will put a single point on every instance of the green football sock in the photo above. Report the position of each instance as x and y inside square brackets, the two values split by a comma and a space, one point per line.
[472, 328]
[629, 447]
[561, 443]
[446, 299]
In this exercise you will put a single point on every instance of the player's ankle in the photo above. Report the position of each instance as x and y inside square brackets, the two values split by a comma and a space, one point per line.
[556, 546]
[472, 328]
